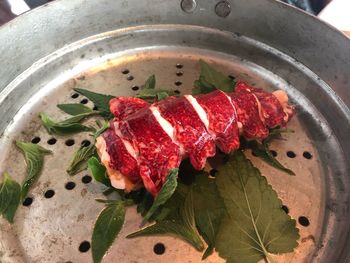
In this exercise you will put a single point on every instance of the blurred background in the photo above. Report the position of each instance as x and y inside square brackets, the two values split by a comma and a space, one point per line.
[335, 12]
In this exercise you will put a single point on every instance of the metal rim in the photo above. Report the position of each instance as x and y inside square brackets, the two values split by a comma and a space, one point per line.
[294, 56]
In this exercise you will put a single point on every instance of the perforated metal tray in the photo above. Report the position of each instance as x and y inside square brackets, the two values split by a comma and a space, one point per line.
[55, 224]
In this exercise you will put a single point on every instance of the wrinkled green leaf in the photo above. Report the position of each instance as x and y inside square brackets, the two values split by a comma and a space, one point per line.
[106, 229]
[10, 196]
[150, 83]
[101, 101]
[98, 171]
[209, 210]
[80, 158]
[74, 108]
[183, 227]
[68, 126]
[34, 157]
[165, 193]
[211, 79]
[255, 225]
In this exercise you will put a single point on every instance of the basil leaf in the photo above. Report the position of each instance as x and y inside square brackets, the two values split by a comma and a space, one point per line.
[150, 83]
[209, 210]
[68, 126]
[183, 228]
[34, 157]
[98, 171]
[10, 196]
[101, 101]
[106, 229]
[255, 225]
[74, 108]
[211, 79]
[165, 193]
[80, 158]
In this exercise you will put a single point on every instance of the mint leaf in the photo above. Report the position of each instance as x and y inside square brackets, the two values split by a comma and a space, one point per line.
[101, 101]
[106, 229]
[150, 83]
[209, 210]
[98, 171]
[182, 227]
[255, 225]
[68, 126]
[165, 193]
[80, 158]
[34, 157]
[211, 79]
[74, 108]
[10, 196]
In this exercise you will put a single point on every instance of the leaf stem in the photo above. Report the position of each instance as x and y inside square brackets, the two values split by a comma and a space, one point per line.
[268, 257]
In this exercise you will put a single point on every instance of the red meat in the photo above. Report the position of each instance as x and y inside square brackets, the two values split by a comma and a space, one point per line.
[248, 112]
[222, 119]
[146, 141]
[190, 131]
[157, 152]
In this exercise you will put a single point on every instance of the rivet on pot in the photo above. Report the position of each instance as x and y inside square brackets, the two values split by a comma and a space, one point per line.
[188, 6]
[223, 9]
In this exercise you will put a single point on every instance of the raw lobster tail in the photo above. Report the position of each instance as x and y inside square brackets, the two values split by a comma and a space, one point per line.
[145, 140]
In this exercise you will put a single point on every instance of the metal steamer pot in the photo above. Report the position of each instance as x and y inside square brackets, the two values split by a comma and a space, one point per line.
[111, 47]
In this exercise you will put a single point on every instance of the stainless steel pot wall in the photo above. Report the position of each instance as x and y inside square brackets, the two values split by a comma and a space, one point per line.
[308, 55]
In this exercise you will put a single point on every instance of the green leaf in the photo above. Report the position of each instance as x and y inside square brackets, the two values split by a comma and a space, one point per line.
[149, 91]
[150, 83]
[104, 126]
[263, 152]
[276, 133]
[255, 225]
[34, 157]
[183, 228]
[74, 108]
[98, 171]
[162, 95]
[165, 193]
[106, 229]
[209, 210]
[211, 79]
[101, 101]
[68, 126]
[145, 204]
[10, 196]
[80, 158]
[146, 94]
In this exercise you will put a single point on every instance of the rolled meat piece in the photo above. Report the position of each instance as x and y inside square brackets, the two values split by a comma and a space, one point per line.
[145, 141]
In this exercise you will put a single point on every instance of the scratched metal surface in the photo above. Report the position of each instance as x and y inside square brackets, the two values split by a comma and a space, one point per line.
[51, 229]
